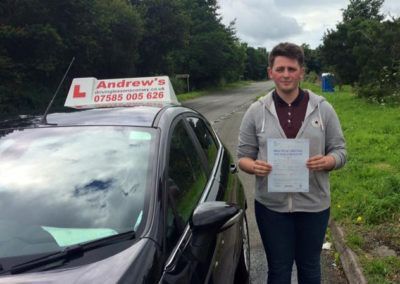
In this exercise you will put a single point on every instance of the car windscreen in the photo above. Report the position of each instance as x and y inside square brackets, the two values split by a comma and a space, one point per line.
[61, 186]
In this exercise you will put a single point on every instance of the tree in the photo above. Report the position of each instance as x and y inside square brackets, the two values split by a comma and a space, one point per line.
[256, 63]
[109, 39]
[363, 10]
[364, 51]
[312, 59]
[344, 47]
[380, 79]
[38, 38]
[213, 54]
[337, 53]
[166, 24]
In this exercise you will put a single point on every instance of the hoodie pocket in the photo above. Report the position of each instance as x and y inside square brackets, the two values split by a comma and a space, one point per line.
[317, 185]
[272, 199]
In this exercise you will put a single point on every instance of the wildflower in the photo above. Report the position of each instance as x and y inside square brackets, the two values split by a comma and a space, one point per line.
[359, 219]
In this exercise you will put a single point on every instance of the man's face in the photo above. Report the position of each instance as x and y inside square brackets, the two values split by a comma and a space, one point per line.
[286, 74]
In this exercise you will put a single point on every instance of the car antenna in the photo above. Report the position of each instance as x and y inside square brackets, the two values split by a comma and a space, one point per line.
[44, 118]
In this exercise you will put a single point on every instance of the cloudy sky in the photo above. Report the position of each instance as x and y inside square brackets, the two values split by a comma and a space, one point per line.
[264, 23]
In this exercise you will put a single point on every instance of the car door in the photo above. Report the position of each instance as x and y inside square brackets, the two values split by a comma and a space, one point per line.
[187, 178]
[225, 188]
[195, 155]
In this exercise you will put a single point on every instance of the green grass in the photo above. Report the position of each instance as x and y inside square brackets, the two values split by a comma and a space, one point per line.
[233, 85]
[354, 241]
[366, 192]
[192, 95]
[382, 270]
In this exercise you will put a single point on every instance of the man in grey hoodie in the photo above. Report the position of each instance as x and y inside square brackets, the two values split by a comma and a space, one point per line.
[292, 224]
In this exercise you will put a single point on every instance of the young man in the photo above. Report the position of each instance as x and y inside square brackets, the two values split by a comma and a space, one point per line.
[292, 224]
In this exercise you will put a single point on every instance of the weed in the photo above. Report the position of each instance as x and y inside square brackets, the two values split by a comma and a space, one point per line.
[354, 241]
[337, 258]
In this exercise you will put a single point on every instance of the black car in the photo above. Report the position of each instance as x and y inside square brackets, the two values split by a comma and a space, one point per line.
[141, 194]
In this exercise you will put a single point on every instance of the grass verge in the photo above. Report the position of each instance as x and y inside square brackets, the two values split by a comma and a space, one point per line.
[192, 95]
[366, 192]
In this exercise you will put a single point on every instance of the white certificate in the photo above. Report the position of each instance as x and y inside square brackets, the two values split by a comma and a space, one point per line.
[288, 158]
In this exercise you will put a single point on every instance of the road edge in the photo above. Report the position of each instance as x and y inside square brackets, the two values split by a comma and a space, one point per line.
[348, 258]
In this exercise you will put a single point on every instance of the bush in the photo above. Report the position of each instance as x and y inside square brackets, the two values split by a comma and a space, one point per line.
[379, 94]
[179, 85]
[383, 89]
[312, 77]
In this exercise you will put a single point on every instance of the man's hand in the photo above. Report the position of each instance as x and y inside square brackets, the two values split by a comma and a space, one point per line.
[321, 163]
[255, 167]
[261, 168]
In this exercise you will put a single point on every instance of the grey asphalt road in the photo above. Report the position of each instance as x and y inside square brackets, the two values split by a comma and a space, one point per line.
[225, 110]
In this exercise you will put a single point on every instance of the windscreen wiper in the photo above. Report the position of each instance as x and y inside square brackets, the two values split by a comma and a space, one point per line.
[68, 253]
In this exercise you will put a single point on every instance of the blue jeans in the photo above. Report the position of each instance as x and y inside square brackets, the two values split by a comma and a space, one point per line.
[289, 237]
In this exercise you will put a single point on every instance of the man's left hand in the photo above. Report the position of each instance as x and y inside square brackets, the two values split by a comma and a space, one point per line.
[321, 163]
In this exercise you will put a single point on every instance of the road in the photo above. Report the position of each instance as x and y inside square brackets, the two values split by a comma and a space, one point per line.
[225, 110]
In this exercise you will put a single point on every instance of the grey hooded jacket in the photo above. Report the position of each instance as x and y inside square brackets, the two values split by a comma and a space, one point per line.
[321, 126]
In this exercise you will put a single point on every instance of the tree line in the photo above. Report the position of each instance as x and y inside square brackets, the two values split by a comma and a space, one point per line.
[137, 38]
[115, 39]
[364, 51]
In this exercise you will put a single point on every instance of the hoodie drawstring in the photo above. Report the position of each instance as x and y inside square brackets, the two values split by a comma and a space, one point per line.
[263, 122]
[320, 116]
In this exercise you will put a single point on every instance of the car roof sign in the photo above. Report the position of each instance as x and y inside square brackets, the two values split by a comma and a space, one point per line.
[93, 93]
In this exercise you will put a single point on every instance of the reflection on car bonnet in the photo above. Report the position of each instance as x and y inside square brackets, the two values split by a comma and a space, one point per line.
[138, 135]
[72, 236]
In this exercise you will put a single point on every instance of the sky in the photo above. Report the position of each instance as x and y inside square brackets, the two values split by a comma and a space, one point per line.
[265, 23]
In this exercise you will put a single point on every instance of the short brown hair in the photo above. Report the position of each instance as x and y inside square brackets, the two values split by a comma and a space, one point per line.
[287, 49]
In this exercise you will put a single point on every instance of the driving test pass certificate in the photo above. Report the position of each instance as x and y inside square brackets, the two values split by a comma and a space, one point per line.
[288, 158]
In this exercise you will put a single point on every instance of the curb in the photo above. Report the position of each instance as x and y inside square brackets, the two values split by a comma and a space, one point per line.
[348, 258]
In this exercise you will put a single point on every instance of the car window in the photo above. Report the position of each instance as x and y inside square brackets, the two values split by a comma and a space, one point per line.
[206, 139]
[187, 180]
[66, 185]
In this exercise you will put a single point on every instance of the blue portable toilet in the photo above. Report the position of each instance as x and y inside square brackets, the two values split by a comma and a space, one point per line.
[327, 82]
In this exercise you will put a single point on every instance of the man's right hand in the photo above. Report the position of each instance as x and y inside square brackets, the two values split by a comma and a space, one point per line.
[256, 167]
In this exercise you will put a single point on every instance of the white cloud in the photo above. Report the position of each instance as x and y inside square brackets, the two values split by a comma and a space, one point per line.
[391, 8]
[267, 22]
[257, 21]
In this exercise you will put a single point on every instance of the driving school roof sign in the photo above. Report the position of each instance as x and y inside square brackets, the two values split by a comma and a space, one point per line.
[93, 93]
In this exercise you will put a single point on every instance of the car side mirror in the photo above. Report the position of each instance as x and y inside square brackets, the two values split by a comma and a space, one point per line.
[208, 219]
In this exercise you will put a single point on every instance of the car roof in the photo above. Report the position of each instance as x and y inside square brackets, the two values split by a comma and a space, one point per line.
[135, 116]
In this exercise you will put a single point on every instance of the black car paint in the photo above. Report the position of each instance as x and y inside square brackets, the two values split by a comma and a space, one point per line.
[150, 264]
[218, 189]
